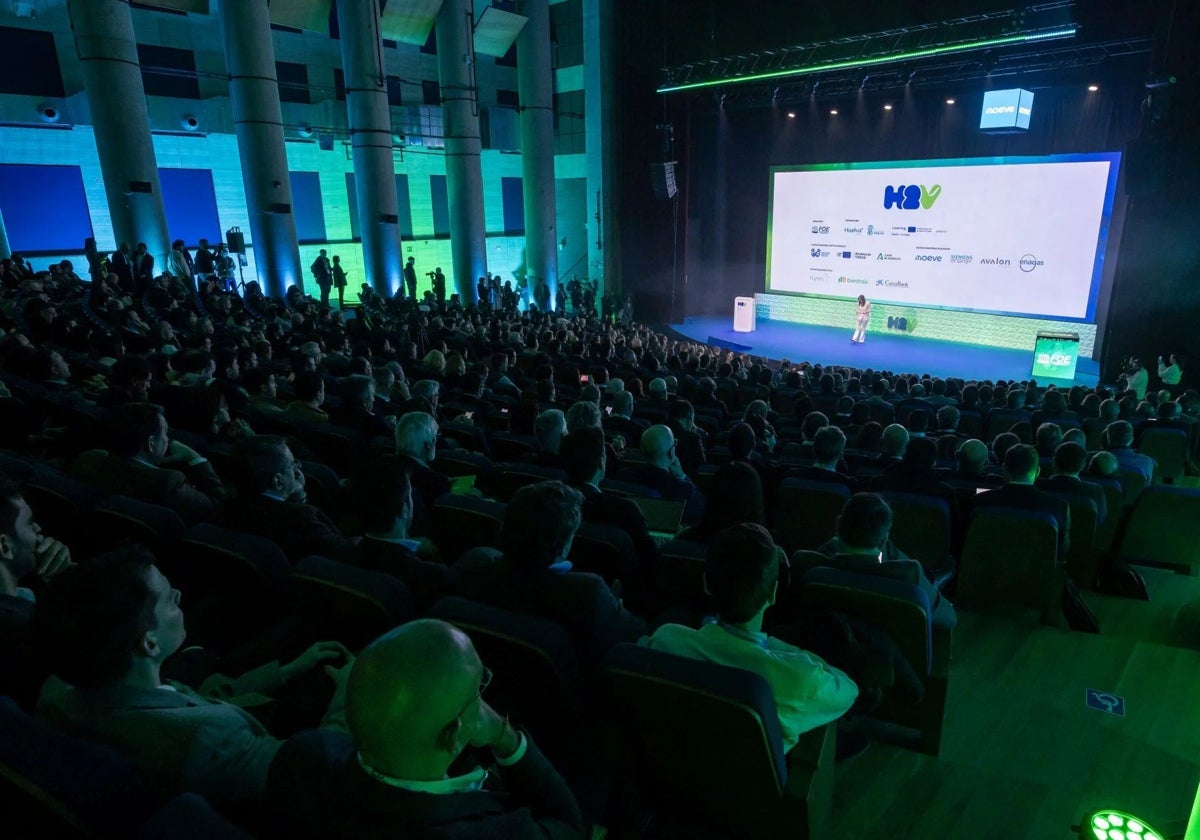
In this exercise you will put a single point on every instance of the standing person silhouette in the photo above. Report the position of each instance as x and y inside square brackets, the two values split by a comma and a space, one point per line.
[863, 317]
[339, 281]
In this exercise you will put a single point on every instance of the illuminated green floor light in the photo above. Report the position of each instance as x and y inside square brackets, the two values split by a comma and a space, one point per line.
[1108, 824]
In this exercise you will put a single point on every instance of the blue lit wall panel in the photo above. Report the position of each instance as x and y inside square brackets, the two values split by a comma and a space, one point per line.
[44, 208]
[191, 205]
[352, 206]
[307, 207]
[404, 206]
[513, 196]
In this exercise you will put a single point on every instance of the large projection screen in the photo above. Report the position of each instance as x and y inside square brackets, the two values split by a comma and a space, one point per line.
[1023, 236]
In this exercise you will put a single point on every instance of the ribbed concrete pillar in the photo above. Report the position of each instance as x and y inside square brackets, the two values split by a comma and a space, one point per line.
[258, 121]
[371, 142]
[600, 120]
[535, 84]
[5, 249]
[464, 172]
[108, 57]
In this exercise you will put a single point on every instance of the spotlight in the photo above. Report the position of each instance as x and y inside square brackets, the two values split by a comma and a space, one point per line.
[949, 101]
[1107, 823]
[833, 112]
[791, 115]
[1093, 88]
[887, 107]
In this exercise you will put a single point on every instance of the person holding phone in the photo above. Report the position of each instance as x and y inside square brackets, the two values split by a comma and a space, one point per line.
[1170, 374]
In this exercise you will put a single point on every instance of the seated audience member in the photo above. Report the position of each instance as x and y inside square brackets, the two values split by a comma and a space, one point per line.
[863, 545]
[1119, 441]
[917, 423]
[827, 447]
[533, 575]
[416, 448]
[1069, 461]
[104, 629]
[310, 396]
[1048, 437]
[262, 388]
[26, 556]
[663, 472]
[549, 429]
[271, 502]
[621, 420]
[972, 463]
[146, 464]
[735, 498]
[1002, 443]
[357, 409]
[584, 460]
[690, 439]
[893, 445]
[947, 422]
[383, 496]
[1021, 470]
[414, 705]
[129, 380]
[917, 473]
[741, 576]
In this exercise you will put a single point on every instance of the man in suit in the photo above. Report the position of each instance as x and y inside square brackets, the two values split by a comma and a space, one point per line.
[105, 628]
[663, 472]
[146, 464]
[309, 387]
[122, 267]
[416, 447]
[356, 411]
[143, 270]
[414, 706]
[1021, 469]
[689, 438]
[271, 502]
[1119, 441]
[916, 473]
[827, 447]
[1069, 461]
[322, 272]
[532, 574]
[549, 429]
[583, 458]
[621, 421]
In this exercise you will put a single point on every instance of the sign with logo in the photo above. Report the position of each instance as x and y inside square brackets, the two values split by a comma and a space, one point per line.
[874, 231]
[1006, 111]
[853, 281]
[1103, 701]
[961, 259]
[911, 197]
[994, 261]
[817, 252]
[1029, 262]
[1055, 357]
[820, 228]
[928, 257]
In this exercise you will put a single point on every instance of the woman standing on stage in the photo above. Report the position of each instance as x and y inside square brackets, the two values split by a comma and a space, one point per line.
[864, 316]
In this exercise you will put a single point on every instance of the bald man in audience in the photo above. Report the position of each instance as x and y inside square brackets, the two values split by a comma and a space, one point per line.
[893, 445]
[973, 459]
[415, 704]
[663, 472]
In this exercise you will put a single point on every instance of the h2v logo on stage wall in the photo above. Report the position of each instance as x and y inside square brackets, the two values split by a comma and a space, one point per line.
[911, 197]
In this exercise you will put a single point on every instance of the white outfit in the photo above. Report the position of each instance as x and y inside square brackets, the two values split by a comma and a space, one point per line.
[864, 316]
[1169, 374]
[1139, 382]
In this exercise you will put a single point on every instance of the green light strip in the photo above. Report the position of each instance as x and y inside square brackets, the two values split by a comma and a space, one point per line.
[1066, 32]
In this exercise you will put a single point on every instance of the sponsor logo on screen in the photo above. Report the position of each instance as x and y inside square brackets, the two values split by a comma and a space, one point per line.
[820, 228]
[1053, 359]
[845, 254]
[818, 278]
[887, 257]
[874, 231]
[928, 258]
[1029, 262]
[911, 196]
[817, 252]
[962, 259]
[892, 284]
[854, 281]
[862, 255]
[994, 261]
[853, 231]
[992, 110]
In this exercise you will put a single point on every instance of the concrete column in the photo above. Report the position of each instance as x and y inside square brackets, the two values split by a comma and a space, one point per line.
[258, 121]
[599, 55]
[464, 172]
[535, 84]
[112, 77]
[5, 248]
[371, 142]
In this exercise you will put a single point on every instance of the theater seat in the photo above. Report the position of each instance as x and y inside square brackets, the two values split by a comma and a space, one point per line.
[1164, 530]
[806, 511]
[354, 606]
[1010, 560]
[460, 523]
[190, 817]
[121, 518]
[709, 747]
[1169, 449]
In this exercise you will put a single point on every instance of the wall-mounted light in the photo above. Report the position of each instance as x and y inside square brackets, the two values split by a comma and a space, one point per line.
[949, 101]
[791, 115]
[887, 107]
[833, 112]
[1093, 88]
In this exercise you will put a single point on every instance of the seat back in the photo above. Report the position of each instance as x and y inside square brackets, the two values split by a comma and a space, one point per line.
[52, 785]
[454, 463]
[1009, 559]
[663, 516]
[1106, 531]
[351, 605]
[61, 504]
[515, 476]
[1082, 558]
[190, 817]
[679, 574]
[735, 777]
[536, 673]
[1164, 529]
[121, 518]
[613, 487]
[1169, 447]
[806, 511]
[460, 523]
[920, 526]
[1132, 485]
[603, 550]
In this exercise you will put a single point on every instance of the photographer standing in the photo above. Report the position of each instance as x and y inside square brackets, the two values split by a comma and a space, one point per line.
[439, 285]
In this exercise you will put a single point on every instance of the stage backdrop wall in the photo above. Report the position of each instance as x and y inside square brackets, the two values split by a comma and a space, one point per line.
[731, 152]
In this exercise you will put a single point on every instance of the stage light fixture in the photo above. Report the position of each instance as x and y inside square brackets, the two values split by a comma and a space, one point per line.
[833, 112]
[1093, 88]
[949, 101]
[1110, 824]
[791, 115]
[887, 107]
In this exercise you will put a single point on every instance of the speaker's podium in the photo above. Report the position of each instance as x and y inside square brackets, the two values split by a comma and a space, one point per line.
[1055, 355]
[743, 314]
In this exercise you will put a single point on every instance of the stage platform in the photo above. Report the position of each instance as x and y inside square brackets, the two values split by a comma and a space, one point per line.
[899, 353]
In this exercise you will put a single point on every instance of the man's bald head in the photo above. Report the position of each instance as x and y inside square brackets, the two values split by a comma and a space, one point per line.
[406, 696]
[656, 445]
[895, 440]
[973, 456]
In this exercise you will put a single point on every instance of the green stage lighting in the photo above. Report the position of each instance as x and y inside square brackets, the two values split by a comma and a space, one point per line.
[1109, 824]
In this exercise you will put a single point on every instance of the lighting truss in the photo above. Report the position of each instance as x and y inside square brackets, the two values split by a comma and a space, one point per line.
[1039, 23]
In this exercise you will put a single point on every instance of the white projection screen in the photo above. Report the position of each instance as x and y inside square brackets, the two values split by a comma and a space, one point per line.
[1013, 236]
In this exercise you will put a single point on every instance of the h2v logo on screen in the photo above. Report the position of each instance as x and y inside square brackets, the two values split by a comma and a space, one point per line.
[911, 197]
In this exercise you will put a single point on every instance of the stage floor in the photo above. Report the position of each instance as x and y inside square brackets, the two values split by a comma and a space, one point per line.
[902, 354]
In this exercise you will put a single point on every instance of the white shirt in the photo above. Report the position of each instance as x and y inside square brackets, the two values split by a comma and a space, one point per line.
[1138, 383]
[1169, 374]
[808, 691]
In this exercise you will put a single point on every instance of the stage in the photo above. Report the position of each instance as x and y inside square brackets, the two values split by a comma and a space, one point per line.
[899, 353]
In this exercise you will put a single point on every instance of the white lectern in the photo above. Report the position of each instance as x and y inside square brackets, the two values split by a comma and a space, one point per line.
[743, 314]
